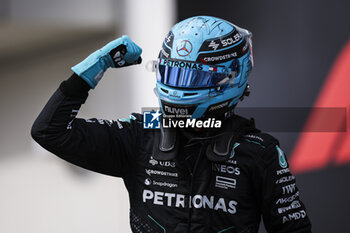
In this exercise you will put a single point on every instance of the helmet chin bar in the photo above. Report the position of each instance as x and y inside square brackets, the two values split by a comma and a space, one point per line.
[200, 101]
[246, 92]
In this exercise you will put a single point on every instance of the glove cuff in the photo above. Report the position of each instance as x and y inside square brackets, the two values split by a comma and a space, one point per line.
[93, 67]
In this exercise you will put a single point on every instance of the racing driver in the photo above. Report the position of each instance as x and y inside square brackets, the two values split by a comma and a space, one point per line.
[181, 179]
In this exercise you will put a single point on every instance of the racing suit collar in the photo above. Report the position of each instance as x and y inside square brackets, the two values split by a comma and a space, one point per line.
[219, 150]
[166, 144]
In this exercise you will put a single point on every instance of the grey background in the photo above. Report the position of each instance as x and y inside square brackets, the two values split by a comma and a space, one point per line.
[295, 44]
[40, 40]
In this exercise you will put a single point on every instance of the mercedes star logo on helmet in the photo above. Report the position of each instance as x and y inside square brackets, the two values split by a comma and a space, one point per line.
[184, 48]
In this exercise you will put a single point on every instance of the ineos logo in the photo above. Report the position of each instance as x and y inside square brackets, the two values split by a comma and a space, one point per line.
[226, 169]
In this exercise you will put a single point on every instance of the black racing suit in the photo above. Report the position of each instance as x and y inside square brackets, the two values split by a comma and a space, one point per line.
[179, 183]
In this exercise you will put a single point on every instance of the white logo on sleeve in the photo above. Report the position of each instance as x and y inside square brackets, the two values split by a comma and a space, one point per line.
[294, 216]
[294, 205]
[288, 189]
[282, 158]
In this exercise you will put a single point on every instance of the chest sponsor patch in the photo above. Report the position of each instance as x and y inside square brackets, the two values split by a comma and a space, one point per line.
[197, 201]
[154, 162]
[226, 169]
[225, 182]
[149, 182]
[151, 172]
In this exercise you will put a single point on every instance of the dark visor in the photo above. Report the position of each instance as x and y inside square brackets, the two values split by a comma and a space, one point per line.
[186, 77]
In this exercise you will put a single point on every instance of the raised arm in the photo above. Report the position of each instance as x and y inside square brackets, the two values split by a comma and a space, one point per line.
[99, 145]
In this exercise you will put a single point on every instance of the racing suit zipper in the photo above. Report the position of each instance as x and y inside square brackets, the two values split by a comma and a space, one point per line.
[192, 172]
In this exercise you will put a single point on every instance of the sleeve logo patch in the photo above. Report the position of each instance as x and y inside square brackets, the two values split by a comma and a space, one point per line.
[233, 150]
[281, 157]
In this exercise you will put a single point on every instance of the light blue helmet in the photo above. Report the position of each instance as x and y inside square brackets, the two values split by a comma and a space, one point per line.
[202, 68]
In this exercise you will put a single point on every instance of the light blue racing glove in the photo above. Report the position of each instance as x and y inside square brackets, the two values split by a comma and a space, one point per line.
[117, 53]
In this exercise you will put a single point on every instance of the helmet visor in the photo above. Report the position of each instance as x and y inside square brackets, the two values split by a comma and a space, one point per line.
[190, 75]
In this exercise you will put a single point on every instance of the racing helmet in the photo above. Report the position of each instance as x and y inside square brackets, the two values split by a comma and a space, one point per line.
[202, 68]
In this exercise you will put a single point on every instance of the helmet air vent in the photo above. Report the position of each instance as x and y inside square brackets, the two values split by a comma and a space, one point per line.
[166, 91]
[190, 93]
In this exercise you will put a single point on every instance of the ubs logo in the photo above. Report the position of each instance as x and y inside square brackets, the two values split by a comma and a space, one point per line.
[161, 163]
[184, 48]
